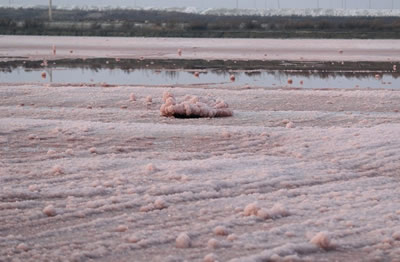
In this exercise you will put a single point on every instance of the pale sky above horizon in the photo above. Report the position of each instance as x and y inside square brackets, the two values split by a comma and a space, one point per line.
[378, 4]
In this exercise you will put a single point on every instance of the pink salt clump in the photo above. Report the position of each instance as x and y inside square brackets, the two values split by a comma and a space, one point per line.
[251, 209]
[322, 240]
[69, 151]
[92, 150]
[278, 210]
[132, 239]
[132, 97]
[263, 213]
[180, 52]
[50, 211]
[212, 243]
[149, 100]
[121, 228]
[150, 168]
[57, 170]
[196, 74]
[183, 241]
[23, 247]
[290, 125]
[396, 236]
[160, 203]
[232, 78]
[194, 107]
[33, 188]
[210, 258]
[378, 76]
[232, 237]
[51, 152]
[220, 231]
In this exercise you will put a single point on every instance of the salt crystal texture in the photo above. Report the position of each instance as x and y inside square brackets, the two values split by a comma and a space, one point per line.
[194, 107]
[183, 241]
[322, 240]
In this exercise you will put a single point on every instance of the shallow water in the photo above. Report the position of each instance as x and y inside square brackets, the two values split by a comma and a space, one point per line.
[182, 77]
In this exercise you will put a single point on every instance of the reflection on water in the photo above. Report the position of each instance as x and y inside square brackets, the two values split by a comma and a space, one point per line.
[114, 76]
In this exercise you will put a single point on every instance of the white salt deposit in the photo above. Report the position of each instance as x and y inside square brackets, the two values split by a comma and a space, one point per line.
[183, 241]
[193, 106]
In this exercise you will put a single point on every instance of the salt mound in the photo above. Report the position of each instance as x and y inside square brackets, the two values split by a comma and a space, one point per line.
[193, 106]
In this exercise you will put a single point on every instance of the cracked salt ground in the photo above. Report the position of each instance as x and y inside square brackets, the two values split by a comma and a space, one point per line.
[112, 183]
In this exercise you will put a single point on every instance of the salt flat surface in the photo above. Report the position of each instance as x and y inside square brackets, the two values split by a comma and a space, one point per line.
[86, 173]
[40, 47]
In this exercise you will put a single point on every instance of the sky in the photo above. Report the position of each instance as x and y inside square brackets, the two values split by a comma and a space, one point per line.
[376, 4]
